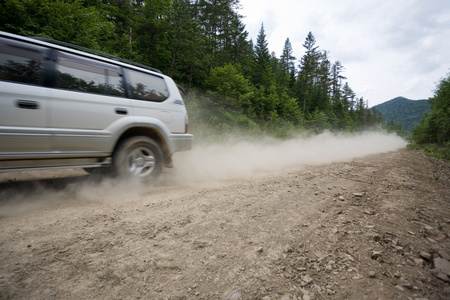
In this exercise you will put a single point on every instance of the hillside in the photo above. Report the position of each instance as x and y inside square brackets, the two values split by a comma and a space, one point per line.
[405, 111]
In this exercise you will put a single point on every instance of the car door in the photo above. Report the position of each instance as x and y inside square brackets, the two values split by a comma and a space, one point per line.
[88, 98]
[24, 103]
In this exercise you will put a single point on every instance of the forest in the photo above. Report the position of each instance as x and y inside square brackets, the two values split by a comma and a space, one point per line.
[230, 80]
[432, 135]
[404, 112]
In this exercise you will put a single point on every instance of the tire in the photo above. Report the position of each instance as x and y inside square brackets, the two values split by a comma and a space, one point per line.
[138, 157]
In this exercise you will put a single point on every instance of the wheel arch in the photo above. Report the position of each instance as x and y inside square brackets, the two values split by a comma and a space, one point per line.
[151, 133]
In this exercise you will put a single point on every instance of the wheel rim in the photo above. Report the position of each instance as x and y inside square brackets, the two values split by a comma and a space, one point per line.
[140, 162]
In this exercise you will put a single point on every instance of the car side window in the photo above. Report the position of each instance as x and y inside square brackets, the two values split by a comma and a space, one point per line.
[21, 62]
[87, 75]
[148, 87]
[115, 83]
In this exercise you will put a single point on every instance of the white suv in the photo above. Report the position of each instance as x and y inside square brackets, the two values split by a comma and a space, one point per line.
[62, 107]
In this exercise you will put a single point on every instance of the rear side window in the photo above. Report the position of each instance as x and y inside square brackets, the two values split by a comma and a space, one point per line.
[21, 62]
[147, 87]
[87, 75]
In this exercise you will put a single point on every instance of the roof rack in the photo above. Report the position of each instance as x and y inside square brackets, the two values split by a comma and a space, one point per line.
[96, 53]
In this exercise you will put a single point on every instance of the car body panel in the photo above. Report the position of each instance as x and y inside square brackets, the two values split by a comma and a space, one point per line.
[24, 129]
[68, 119]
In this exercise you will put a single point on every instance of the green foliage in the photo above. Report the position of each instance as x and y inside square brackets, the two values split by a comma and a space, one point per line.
[434, 128]
[263, 76]
[433, 150]
[211, 122]
[234, 92]
[317, 121]
[203, 45]
[67, 21]
[288, 109]
[432, 135]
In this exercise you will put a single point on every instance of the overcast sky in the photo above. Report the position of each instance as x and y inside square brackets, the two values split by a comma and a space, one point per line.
[388, 48]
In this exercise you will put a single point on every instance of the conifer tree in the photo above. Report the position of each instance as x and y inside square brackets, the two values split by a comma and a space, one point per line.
[222, 25]
[308, 67]
[336, 94]
[336, 80]
[287, 59]
[348, 97]
[322, 101]
[262, 73]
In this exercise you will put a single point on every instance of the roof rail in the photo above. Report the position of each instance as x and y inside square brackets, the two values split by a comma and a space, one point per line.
[96, 53]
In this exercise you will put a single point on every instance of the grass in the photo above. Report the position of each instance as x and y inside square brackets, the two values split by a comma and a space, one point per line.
[433, 150]
[437, 176]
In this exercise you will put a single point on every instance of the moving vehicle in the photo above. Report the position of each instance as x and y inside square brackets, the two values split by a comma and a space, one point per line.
[63, 106]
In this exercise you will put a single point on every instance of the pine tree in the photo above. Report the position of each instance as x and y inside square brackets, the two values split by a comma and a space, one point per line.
[262, 74]
[287, 59]
[222, 25]
[336, 94]
[348, 97]
[308, 67]
[187, 45]
[322, 101]
[152, 29]
[336, 80]
[262, 56]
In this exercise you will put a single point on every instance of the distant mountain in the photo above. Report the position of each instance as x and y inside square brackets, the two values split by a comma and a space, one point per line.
[405, 111]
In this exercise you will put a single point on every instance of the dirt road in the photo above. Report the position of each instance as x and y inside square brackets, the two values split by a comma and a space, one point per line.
[375, 227]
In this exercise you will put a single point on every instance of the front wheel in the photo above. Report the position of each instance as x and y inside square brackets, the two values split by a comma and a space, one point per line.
[139, 157]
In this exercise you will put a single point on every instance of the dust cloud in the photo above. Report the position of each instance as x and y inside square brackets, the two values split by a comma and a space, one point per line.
[240, 158]
[205, 164]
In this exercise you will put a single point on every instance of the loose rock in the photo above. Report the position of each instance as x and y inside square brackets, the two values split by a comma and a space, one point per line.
[443, 277]
[444, 255]
[235, 295]
[376, 254]
[307, 279]
[418, 262]
[442, 265]
[425, 255]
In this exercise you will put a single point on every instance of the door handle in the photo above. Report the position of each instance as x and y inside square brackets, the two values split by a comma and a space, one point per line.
[27, 104]
[121, 111]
